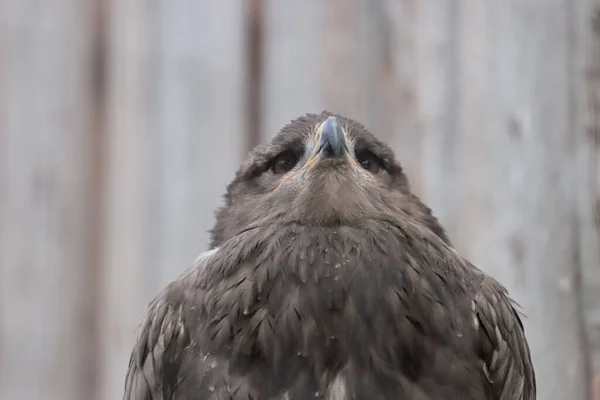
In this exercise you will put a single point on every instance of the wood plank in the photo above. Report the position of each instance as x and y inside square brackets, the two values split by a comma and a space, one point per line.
[126, 283]
[355, 35]
[422, 101]
[177, 117]
[292, 34]
[515, 154]
[46, 189]
[587, 107]
[198, 125]
[332, 55]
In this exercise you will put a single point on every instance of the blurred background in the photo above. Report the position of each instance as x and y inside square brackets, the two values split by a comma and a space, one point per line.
[122, 121]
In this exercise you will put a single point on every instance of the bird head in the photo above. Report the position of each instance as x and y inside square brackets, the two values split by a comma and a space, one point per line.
[319, 170]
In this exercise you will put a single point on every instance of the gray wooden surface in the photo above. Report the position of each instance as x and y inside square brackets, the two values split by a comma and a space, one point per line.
[175, 139]
[125, 281]
[515, 157]
[586, 108]
[121, 122]
[46, 189]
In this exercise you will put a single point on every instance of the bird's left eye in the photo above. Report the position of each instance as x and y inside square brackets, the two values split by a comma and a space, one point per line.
[369, 161]
[284, 162]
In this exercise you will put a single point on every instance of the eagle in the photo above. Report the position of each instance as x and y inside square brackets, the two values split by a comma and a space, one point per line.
[327, 278]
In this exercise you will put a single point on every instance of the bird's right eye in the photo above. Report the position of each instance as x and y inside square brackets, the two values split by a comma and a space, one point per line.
[284, 162]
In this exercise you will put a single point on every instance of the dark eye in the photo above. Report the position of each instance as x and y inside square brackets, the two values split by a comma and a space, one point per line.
[369, 161]
[284, 162]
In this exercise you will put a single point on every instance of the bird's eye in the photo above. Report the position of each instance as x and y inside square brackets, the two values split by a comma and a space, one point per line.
[284, 162]
[369, 161]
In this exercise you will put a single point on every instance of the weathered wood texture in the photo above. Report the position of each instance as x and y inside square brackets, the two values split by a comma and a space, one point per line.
[46, 200]
[121, 123]
[197, 126]
[587, 119]
[292, 33]
[515, 186]
[175, 137]
[126, 283]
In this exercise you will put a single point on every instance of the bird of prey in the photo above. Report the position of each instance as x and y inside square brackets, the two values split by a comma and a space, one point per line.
[328, 279]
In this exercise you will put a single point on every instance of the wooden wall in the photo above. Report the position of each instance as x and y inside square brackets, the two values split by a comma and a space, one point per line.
[121, 122]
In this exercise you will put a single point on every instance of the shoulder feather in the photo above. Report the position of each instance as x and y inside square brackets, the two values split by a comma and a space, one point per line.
[506, 357]
[162, 338]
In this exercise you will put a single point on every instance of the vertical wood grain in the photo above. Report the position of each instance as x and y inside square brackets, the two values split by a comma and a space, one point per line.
[46, 217]
[176, 122]
[254, 42]
[291, 65]
[587, 107]
[331, 55]
[516, 177]
[198, 126]
[126, 285]
[422, 98]
[355, 35]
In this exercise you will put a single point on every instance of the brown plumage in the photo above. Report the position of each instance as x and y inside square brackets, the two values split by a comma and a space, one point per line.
[328, 279]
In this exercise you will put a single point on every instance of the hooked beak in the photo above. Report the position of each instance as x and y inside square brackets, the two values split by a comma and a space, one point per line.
[332, 140]
[331, 143]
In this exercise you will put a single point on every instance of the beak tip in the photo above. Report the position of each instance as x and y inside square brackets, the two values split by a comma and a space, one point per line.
[332, 138]
[330, 125]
